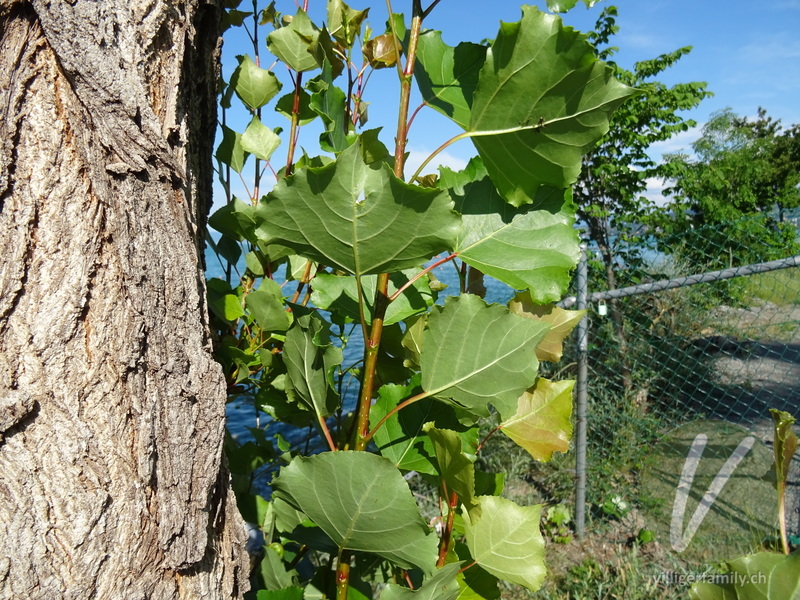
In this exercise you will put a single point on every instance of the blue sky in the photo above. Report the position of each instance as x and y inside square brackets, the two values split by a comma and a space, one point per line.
[747, 52]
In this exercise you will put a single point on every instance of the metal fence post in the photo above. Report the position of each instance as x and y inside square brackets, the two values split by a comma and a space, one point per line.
[582, 283]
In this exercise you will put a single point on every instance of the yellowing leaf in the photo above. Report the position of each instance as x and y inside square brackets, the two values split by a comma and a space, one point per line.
[562, 322]
[506, 541]
[542, 423]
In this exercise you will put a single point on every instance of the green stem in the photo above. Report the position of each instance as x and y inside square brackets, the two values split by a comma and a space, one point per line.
[405, 90]
[450, 142]
[371, 363]
[472, 134]
[298, 86]
[323, 426]
[362, 317]
[782, 515]
[425, 271]
[342, 574]
[394, 411]
[444, 544]
[382, 287]
[488, 435]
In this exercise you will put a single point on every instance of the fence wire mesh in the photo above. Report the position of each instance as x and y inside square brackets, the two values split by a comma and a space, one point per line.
[727, 350]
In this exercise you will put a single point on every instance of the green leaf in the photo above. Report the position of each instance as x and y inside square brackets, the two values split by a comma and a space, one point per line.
[329, 101]
[254, 263]
[456, 471]
[266, 306]
[506, 541]
[569, 97]
[305, 114]
[235, 220]
[344, 22]
[259, 140]
[401, 438]
[296, 43]
[374, 510]
[412, 340]
[273, 571]
[254, 86]
[310, 358]
[222, 301]
[474, 354]
[534, 246]
[761, 576]
[561, 322]
[233, 18]
[785, 444]
[230, 151]
[542, 423]
[561, 6]
[340, 294]
[228, 248]
[441, 586]
[357, 217]
[289, 593]
[447, 76]
[287, 517]
[477, 584]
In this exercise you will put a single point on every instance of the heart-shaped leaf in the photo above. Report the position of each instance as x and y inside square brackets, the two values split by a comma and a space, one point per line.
[542, 99]
[534, 246]
[506, 541]
[296, 43]
[569, 94]
[357, 217]
[474, 354]
[542, 422]
[230, 150]
[254, 86]
[259, 140]
[373, 510]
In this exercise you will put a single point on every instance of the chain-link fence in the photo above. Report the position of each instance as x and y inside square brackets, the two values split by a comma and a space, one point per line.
[701, 324]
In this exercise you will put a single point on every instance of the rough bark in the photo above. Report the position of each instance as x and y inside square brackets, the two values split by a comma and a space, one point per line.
[111, 405]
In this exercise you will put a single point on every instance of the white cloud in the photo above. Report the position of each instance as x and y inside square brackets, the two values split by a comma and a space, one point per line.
[654, 190]
[682, 142]
[782, 46]
[416, 156]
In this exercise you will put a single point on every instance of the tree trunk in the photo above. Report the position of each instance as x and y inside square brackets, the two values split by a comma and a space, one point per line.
[111, 405]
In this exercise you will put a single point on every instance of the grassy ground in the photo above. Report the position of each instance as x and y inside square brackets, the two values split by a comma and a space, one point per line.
[613, 561]
[779, 287]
